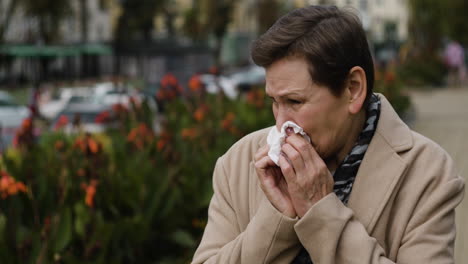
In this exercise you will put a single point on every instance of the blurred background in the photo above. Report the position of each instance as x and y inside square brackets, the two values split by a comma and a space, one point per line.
[113, 113]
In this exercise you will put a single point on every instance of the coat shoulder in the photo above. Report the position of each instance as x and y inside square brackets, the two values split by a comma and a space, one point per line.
[429, 164]
[246, 147]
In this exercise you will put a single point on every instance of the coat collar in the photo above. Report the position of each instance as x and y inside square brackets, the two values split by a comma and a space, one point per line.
[381, 168]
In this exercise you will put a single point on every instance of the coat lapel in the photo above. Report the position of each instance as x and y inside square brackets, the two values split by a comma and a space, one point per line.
[381, 168]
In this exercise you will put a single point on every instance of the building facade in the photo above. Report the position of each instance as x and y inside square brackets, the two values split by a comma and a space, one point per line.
[384, 20]
[25, 29]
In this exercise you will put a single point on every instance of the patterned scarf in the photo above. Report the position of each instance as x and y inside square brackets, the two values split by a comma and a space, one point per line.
[346, 173]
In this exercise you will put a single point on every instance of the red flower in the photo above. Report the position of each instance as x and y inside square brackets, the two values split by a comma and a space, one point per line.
[118, 108]
[170, 88]
[102, 117]
[61, 122]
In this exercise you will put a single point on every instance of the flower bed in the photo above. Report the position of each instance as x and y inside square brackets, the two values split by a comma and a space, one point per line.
[130, 195]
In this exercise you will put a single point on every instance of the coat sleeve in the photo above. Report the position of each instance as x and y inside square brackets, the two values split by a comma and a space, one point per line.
[266, 239]
[336, 236]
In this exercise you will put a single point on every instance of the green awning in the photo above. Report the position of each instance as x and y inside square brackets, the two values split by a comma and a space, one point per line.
[96, 49]
[54, 51]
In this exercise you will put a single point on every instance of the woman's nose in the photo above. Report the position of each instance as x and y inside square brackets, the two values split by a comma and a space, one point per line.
[281, 117]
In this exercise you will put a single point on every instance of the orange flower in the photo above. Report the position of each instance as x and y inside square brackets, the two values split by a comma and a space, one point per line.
[81, 172]
[27, 123]
[255, 97]
[195, 83]
[59, 145]
[9, 186]
[5, 181]
[199, 114]
[377, 74]
[93, 145]
[140, 135]
[169, 80]
[61, 122]
[226, 123]
[213, 70]
[161, 144]
[21, 187]
[189, 133]
[164, 139]
[389, 76]
[90, 192]
[132, 135]
[80, 144]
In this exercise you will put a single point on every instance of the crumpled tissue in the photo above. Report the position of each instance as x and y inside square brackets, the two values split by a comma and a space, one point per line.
[277, 138]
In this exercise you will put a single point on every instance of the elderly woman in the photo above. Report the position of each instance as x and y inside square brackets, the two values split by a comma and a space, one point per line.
[357, 186]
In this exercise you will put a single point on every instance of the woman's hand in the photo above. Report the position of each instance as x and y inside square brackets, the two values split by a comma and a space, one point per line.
[273, 183]
[307, 176]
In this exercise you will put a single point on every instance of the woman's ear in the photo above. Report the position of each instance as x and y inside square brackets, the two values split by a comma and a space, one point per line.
[356, 89]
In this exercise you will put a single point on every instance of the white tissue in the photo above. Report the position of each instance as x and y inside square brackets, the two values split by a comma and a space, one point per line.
[276, 139]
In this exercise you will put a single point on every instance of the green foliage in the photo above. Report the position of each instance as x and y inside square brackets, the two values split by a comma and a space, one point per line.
[431, 20]
[137, 19]
[49, 13]
[126, 196]
[388, 83]
[421, 71]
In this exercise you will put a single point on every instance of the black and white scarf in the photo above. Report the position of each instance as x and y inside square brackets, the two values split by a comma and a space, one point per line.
[346, 173]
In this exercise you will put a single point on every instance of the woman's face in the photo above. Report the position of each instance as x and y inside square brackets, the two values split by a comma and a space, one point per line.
[323, 116]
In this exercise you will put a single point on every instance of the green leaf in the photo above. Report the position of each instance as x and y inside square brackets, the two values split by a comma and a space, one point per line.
[64, 231]
[81, 218]
[183, 238]
[2, 225]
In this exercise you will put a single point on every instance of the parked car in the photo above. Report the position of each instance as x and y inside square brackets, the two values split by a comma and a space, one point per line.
[11, 118]
[66, 96]
[248, 77]
[92, 118]
[214, 83]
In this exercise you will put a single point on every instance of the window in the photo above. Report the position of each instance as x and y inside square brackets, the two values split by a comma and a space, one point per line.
[363, 4]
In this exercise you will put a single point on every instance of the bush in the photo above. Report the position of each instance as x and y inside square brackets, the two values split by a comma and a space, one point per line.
[388, 83]
[423, 71]
[129, 195]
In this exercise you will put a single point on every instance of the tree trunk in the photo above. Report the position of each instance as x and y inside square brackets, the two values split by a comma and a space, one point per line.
[84, 37]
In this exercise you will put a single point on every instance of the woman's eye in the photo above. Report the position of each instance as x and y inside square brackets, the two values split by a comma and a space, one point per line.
[292, 101]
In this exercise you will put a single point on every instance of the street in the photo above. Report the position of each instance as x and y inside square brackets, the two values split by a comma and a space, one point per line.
[442, 115]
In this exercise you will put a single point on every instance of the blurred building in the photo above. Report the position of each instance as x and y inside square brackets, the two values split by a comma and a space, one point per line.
[384, 20]
[25, 29]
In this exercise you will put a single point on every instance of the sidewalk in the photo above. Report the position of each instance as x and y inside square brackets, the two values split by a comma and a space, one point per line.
[442, 115]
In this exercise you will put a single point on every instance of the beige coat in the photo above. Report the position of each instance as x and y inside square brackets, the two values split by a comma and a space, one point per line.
[401, 208]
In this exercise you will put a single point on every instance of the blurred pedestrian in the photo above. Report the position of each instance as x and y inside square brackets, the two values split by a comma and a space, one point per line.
[454, 57]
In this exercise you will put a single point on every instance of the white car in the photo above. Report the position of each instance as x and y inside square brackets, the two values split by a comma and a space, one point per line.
[52, 108]
[213, 84]
[11, 118]
[250, 76]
